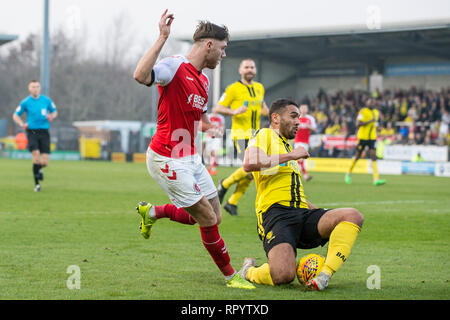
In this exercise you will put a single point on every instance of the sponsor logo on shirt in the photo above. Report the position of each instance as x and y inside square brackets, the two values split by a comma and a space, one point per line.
[196, 101]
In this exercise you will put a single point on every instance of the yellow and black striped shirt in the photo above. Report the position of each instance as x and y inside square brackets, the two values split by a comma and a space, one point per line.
[238, 94]
[280, 184]
[368, 131]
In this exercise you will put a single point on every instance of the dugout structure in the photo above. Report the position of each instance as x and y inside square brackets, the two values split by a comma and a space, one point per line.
[296, 63]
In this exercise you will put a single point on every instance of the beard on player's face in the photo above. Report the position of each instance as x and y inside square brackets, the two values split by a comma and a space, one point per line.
[249, 76]
[212, 63]
[288, 130]
[289, 123]
[213, 59]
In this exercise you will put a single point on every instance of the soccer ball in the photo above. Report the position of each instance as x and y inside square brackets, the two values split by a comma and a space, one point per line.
[309, 267]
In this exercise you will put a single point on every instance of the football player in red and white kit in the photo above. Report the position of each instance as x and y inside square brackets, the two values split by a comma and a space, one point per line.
[213, 144]
[172, 157]
[307, 125]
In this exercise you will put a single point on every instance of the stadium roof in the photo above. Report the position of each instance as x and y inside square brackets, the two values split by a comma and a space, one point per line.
[5, 38]
[360, 46]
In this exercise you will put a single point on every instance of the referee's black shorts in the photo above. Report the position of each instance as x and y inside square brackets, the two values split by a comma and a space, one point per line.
[296, 226]
[38, 139]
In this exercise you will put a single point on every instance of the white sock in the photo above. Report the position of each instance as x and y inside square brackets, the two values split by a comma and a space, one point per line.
[152, 213]
[229, 277]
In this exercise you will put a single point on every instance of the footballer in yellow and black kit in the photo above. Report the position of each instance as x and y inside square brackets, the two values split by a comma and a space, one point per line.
[367, 121]
[367, 134]
[283, 214]
[245, 124]
[244, 94]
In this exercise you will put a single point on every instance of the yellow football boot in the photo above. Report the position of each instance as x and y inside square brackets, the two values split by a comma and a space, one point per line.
[147, 223]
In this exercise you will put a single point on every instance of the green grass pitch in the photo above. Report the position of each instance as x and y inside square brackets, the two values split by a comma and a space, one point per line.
[85, 216]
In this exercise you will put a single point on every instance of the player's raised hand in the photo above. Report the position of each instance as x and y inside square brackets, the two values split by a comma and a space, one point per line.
[165, 22]
[300, 153]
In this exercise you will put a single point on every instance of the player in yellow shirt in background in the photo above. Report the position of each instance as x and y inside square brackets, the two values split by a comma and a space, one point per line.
[286, 219]
[243, 100]
[366, 123]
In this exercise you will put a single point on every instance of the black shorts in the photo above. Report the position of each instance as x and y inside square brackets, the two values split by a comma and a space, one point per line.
[239, 148]
[363, 143]
[38, 139]
[296, 226]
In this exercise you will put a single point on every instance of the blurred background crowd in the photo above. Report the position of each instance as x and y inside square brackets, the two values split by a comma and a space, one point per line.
[414, 116]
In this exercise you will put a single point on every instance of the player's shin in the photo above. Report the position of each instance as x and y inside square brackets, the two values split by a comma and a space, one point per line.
[173, 213]
[374, 170]
[352, 165]
[260, 275]
[234, 177]
[340, 244]
[240, 190]
[217, 249]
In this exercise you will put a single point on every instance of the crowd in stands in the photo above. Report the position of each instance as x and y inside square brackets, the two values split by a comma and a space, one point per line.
[414, 116]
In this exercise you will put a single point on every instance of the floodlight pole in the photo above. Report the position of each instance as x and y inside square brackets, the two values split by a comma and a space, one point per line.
[45, 61]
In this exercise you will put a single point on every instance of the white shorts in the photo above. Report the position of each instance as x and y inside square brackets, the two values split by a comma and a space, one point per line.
[185, 180]
[213, 144]
[302, 144]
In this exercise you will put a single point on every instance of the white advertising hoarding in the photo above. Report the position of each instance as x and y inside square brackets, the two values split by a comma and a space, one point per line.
[428, 153]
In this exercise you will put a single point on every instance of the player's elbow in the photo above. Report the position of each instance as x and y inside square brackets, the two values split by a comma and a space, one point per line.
[250, 167]
[247, 167]
[139, 77]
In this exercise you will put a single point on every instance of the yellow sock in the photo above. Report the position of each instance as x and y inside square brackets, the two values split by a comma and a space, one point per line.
[242, 186]
[375, 170]
[352, 165]
[340, 245]
[260, 275]
[236, 176]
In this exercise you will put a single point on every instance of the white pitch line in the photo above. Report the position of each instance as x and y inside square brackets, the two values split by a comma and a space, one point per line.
[75, 212]
[391, 202]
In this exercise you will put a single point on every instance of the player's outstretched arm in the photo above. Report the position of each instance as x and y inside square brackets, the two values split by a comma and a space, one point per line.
[256, 159]
[360, 123]
[220, 109]
[143, 72]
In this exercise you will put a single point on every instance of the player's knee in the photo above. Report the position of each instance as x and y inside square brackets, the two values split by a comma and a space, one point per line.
[210, 220]
[354, 216]
[282, 276]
